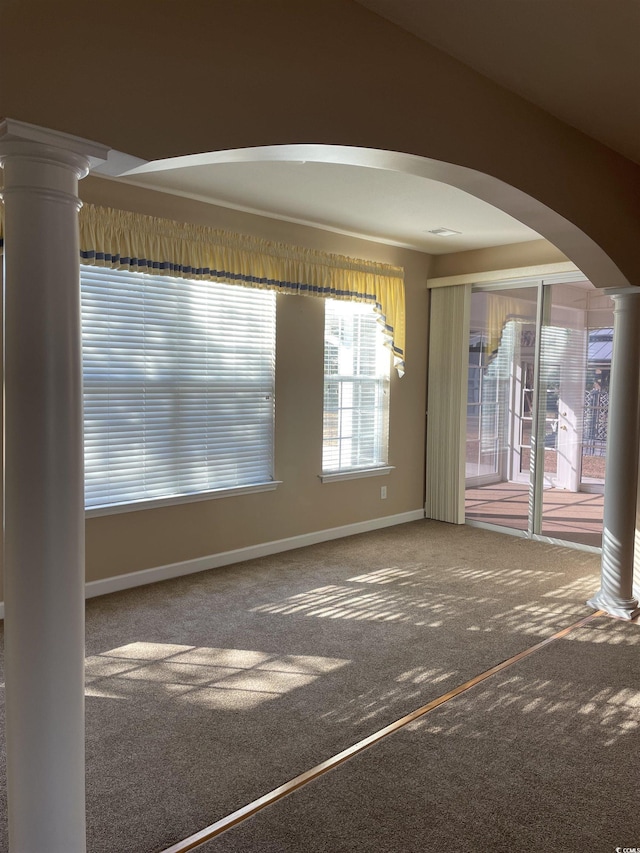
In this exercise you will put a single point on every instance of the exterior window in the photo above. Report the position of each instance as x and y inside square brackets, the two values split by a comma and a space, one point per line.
[356, 388]
[178, 387]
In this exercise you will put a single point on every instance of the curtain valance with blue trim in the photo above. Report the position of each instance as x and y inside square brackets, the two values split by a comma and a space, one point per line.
[125, 240]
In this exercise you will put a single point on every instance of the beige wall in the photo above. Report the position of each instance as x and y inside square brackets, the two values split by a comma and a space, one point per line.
[516, 255]
[158, 79]
[129, 542]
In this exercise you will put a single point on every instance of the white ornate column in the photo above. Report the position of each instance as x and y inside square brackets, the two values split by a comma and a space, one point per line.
[616, 595]
[43, 488]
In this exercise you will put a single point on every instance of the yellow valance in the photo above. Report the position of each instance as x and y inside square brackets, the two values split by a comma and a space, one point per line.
[124, 240]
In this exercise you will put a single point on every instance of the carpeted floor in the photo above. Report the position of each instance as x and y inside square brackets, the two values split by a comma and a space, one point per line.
[208, 691]
[543, 758]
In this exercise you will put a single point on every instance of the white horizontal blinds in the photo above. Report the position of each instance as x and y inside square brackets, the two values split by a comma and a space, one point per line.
[178, 386]
[356, 388]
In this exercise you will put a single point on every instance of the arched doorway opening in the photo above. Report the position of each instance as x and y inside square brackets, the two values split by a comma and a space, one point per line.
[591, 265]
[184, 174]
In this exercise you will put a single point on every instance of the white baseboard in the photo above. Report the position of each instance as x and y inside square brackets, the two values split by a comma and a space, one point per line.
[227, 558]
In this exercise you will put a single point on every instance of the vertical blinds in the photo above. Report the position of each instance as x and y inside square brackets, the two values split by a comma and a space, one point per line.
[447, 398]
[178, 386]
[356, 388]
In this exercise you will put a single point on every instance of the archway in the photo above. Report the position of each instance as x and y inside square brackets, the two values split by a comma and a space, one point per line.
[578, 246]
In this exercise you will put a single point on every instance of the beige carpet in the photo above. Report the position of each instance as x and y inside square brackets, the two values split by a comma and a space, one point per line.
[205, 692]
[543, 758]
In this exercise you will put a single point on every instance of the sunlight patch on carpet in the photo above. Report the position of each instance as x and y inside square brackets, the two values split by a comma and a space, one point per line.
[222, 679]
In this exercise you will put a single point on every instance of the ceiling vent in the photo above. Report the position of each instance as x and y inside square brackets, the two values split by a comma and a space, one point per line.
[443, 232]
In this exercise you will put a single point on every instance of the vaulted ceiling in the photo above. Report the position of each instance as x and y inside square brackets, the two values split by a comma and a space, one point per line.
[577, 59]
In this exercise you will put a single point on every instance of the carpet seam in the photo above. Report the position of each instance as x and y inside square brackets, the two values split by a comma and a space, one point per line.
[245, 812]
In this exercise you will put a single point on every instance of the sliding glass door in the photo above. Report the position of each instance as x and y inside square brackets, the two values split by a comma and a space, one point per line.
[500, 406]
[539, 362]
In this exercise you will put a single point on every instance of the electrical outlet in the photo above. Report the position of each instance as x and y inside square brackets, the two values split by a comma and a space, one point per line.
[383, 493]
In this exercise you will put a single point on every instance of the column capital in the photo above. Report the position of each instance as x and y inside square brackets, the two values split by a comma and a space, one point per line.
[620, 292]
[20, 139]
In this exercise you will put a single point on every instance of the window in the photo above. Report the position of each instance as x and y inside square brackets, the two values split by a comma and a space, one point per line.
[178, 387]
[356, 388]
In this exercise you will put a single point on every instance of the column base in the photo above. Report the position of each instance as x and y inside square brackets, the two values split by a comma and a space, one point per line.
[623, 609]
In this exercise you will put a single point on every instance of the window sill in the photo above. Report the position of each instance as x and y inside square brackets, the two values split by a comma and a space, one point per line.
[356, 473]
[154, 503]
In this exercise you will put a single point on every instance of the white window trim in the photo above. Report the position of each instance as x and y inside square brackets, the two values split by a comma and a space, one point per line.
[133, 506]
[356, 473]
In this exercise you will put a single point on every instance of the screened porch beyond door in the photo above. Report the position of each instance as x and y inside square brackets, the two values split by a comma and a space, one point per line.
[537, 408]
[571, 516]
